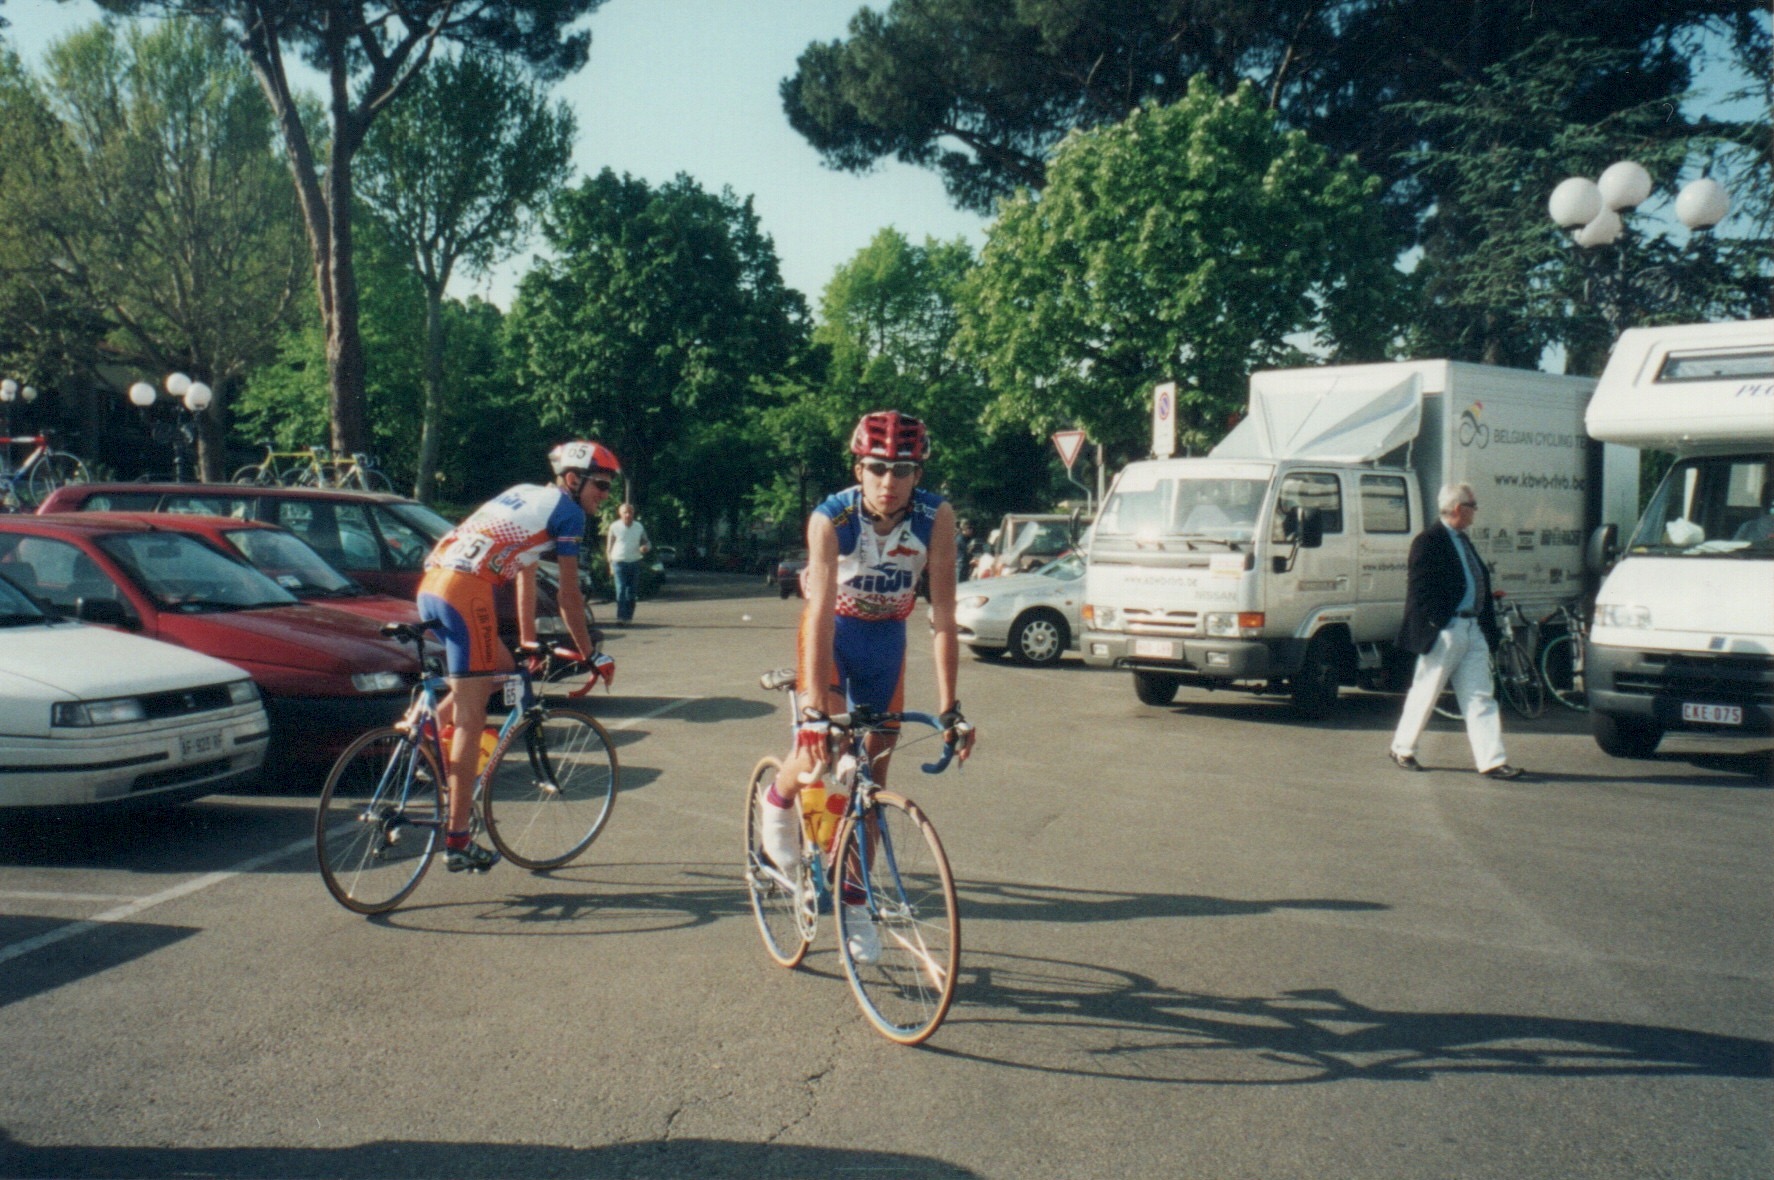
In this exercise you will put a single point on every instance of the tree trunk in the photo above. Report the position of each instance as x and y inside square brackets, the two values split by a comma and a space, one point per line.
[431, 423]
[344, 342]
[212, 457]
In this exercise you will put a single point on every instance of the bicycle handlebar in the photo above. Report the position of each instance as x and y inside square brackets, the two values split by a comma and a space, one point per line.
[871, 720]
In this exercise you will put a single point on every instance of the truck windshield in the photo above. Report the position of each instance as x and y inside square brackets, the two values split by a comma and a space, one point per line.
[1158, 507]
[1715, 506]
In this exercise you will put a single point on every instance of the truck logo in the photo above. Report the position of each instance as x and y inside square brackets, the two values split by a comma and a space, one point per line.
[1473, 431]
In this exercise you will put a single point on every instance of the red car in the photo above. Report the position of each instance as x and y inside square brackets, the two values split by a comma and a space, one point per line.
[326, 676]
[284, 558]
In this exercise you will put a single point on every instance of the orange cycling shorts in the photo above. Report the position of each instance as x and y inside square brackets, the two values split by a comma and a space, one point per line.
[461, 608]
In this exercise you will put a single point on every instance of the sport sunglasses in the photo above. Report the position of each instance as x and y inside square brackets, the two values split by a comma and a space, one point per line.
[879, 467]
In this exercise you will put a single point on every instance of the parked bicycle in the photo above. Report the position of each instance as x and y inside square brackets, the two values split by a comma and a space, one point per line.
[877, 853]
[1513, 671]
[315, 467]
[43, 470]
[545, 792]
[1561, 660]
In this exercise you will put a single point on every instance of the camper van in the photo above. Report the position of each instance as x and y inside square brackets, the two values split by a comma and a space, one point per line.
[1683, 636]
[1278, 562]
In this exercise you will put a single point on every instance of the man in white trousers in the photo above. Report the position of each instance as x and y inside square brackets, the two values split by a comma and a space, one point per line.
[1450, 621]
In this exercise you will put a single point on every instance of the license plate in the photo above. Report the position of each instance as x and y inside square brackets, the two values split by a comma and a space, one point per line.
[1162, 649]
[1713, 714]
[511, 692]
[197, 745]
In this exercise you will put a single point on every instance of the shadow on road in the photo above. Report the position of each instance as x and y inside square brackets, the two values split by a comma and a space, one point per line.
[196, 837]
[75, 958]
[1097, 1022]
[713, 1158]
[1005, 901]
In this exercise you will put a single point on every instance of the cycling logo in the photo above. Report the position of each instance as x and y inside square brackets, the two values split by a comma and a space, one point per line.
[1472, 430]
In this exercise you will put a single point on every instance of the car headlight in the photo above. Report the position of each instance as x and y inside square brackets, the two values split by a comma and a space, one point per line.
[1106, 618]
[242, 692]
[1233, 625]
[119, 711]
[1613, 614]
[974, 602]
[376, 681]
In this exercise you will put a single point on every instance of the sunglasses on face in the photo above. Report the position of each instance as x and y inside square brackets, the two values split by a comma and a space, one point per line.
[1472, 504]
[602, 485]
[878, 467]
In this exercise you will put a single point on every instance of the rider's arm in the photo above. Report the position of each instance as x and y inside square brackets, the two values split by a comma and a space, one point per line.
[941, 567]
[571, 601]
[816, 673]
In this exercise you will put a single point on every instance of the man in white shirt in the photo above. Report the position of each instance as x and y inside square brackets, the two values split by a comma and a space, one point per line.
[625, 544]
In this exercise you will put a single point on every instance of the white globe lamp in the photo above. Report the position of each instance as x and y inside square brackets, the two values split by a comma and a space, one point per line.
[1602, 231]
[141, 394]
[197, 396]
[1702, 203]
[1624, 185]
[177, 384]
[1575, 202]
[8, 390]
[29, 393]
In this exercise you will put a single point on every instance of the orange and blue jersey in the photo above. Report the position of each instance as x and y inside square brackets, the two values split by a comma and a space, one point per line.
[510, 533]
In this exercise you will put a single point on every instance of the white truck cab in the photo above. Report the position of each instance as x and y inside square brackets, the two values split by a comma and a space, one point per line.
[1683, 636]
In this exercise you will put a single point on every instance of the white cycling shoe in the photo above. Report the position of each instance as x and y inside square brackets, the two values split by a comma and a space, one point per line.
[779, 835]
[863, 939]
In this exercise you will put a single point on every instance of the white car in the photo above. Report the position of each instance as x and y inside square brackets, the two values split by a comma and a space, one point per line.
[1034, 616]
[94, 716]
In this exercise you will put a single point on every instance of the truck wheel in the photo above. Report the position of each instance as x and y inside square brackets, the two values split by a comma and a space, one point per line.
[1155, 688]
[1038, 638]
[1625, 737]
[1315, 684]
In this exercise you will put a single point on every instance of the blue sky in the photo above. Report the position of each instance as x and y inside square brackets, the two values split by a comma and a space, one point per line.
[690, 86]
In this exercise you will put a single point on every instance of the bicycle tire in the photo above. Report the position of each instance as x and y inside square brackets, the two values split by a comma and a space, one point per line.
[894, 859]
[1561, 669]
[54, 470]
[373, 480]
[251, 475]
[549, 788]
[1519, 680]
[784, 927]
[373, 846]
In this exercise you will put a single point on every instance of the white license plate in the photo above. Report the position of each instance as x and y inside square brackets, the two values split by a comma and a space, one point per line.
[1162, 649]
[1713, 714]
[197, 745]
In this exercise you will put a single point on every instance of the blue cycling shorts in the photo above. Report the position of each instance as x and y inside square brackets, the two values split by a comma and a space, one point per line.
[870, 659]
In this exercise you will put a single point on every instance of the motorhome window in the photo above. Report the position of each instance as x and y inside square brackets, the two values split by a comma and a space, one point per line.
[1712, 506]
[1719, 366]
[1309, 489]
[1385, 504]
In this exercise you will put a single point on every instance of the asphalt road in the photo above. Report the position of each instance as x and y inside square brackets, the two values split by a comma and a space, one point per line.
[1200, 941]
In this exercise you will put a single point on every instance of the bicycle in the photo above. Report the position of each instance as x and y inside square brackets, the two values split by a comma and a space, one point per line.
[359, 471]
[383, 809]
[1561, 660]
[1512, 667]
[43, 471]
[282, 469]
[884, 855]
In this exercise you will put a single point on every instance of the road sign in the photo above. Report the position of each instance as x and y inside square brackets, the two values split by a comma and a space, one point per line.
[1164, 420]
[1068, 443]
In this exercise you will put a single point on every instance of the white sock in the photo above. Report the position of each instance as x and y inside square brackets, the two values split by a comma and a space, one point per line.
[780, 834]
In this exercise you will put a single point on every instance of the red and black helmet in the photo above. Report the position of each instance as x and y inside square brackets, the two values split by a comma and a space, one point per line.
[889, 434]
[584, 457]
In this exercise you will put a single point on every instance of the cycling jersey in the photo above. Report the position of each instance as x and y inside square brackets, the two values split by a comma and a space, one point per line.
[878, 575]
[510, 533]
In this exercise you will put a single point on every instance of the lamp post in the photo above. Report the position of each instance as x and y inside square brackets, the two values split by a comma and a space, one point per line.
[189, 398]
[10, 392]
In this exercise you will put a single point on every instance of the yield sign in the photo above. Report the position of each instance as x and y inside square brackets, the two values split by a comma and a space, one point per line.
[1068, 443]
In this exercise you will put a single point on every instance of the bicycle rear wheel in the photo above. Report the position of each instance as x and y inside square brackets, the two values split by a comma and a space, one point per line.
[893, 864]
[251, 474]
[550, 788]
[55, 469]
[1519, 680]
[380, 815]
[1561, 667]
[786, 928]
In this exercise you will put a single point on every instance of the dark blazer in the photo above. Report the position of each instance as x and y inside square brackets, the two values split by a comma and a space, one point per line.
[1434, 586]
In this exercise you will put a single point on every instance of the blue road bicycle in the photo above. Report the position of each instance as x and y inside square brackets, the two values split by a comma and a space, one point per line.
[883, 865]
[543, 795]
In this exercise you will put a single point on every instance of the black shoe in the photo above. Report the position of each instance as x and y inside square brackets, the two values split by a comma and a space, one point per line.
[1404, 761]
[472, 859]
[1504, 771]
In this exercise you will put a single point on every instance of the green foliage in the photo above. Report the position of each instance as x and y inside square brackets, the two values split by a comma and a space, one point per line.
[1190, 243]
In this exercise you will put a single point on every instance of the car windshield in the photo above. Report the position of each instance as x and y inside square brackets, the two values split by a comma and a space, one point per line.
[422, 519]
[1154, 506]
[1066, 569]
[16, 607]
[183, 574]
[1717, 506]
[291, 563]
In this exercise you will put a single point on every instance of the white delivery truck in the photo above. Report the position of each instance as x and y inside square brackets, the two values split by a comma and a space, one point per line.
[1278, 562]
[1683, 636]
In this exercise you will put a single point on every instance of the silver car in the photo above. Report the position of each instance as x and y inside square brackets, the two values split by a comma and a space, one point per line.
[1034, 616]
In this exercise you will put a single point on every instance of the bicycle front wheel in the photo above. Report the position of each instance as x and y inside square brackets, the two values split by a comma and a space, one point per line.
[380, 814]
[899, 924]
[249, 475]
[1520, 680]
[372, 480]
[786, 928]
[55, 469]
[549, 788]
[1561, 667]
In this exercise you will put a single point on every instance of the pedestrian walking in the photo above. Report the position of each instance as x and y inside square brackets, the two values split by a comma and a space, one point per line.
[1450, 621]
[966, 550]
[625, 543]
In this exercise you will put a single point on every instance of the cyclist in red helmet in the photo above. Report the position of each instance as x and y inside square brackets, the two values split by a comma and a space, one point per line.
[866, 547]
[500, 543]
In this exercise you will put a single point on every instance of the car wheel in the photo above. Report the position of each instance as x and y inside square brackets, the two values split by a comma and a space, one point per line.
[1315, 684]
[782, 590]
[1625, 737]
[1155, 688]
[1038, 638]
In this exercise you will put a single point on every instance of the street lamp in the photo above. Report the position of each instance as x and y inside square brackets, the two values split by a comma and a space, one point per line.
[190, 399]
[11, 391]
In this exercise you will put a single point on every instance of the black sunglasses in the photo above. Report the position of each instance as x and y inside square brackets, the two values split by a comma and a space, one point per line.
[879, 467]
[602, 485]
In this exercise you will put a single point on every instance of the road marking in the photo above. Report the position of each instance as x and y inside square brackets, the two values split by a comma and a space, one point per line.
[52, 895]
[137, 905]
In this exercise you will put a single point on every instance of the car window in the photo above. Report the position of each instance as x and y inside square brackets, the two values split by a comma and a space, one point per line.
[61, 572]
[192, 504]
[287, 561]
[1385, 504]
[15, 608]
[340, 544]
[1309, 489]
[121, 502]
[184, 574]
[406, 544]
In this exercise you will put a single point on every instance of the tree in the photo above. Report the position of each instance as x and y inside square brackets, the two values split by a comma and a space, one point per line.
[370, 52]
[452, 173]
[1190, 243]
[159, 207]
[655, 312]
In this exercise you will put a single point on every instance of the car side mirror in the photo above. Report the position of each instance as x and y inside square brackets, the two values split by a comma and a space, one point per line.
[107, 612]
[1603, 548]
